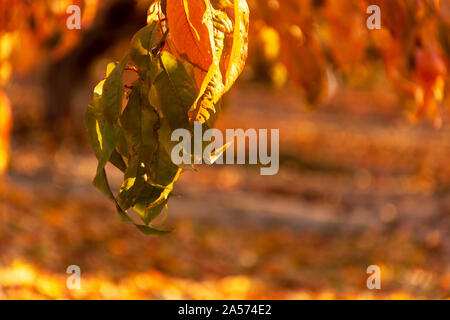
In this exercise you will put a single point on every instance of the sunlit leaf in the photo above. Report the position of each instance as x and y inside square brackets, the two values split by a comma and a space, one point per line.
[176, 91]
[189, 33]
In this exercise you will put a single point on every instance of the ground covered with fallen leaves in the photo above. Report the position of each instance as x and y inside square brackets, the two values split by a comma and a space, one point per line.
[358, 185]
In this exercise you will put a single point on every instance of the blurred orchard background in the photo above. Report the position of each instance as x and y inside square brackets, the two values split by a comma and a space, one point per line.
[364, 153]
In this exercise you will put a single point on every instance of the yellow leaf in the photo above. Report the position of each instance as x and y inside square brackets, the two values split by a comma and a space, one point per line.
[154, 13]
[228, 60]
[239, 50]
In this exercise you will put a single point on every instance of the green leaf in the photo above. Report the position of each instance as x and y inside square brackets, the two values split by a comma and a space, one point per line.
[113, 93]
[118, 161]
[159, 186]
[152, 231]
[108, 144]
[130, 144]
[140, 123]
[165, 134]
[121, 142]
[150, 175]
[95, 124]
[151, 213]
[93, 117]
[102, 136]
[142, 44]
[134, 183]
[176, 91]
[149, 195]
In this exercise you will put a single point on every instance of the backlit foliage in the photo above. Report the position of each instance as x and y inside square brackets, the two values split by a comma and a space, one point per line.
[192, 51]
[185, 59]
[310, 40]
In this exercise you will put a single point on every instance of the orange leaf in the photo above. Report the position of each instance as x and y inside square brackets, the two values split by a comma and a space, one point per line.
[190, 35]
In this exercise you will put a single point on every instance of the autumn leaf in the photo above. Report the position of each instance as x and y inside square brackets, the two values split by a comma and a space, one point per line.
[235, 63]
[188, 31]
[154, 12]
[228, 60]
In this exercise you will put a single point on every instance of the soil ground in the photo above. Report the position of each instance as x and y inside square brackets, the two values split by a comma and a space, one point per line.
[358, 185]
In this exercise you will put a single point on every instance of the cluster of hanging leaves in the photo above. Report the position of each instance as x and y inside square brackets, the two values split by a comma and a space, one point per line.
[190, 53]
[314, 43]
